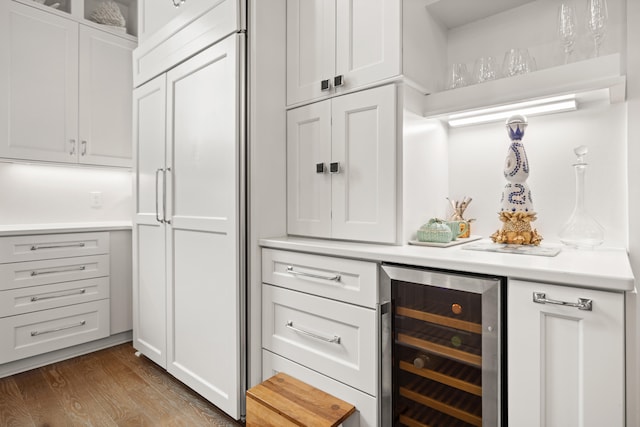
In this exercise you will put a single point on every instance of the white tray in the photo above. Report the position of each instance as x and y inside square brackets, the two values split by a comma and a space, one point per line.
[458, 241]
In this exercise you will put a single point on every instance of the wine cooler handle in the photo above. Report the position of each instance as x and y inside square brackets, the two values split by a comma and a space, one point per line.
[582, 304]
[335, 339]
[334, 278]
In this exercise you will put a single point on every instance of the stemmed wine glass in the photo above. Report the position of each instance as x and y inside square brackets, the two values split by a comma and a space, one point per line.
[597, 15]
[567, 28]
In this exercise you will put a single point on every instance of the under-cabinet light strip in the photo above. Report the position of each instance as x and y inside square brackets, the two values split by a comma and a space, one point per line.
[531, 108]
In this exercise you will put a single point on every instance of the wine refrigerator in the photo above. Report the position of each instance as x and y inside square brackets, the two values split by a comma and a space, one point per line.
[443, 355]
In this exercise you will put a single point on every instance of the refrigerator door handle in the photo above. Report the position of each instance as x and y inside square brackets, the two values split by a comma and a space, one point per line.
[157, 179]
[164, 196]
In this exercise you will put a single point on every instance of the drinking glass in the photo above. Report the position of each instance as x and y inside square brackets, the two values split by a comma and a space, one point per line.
[484, 69]
[567, 28]
[597, 15]
[458, 76]
[517, 61]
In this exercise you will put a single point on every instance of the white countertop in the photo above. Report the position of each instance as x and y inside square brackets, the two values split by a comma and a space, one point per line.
[25, 229]
[601, 268]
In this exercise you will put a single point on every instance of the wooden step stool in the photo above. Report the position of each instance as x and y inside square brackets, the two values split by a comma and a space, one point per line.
[283, 401]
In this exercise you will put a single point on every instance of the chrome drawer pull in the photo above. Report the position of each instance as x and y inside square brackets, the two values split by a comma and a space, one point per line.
[61, 270]
[582, 304]
[335, 339]
[61, 328]
[335, 278]
[68, 294]
[71, 245]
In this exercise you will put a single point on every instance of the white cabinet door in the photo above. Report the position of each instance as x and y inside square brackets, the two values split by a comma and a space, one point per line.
[357, 41]
[39, 86]
[149, 270]
[154, 14]
[565, 365]
[368, 41]
[308, 180]
[205, 290]
[364, 146]
[310, 48]
[355, 135]
[106, 82]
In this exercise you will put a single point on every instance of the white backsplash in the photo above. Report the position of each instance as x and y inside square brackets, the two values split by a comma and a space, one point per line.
[42, 194]
[477, 154]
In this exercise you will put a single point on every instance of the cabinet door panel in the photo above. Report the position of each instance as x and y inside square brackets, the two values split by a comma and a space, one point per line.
[204, 243]
[309, 191]
[310, 48]
[561, 359]
[149, 268]
[363, 143]
[105, 98]
[38, 117]
[153, 15]
[367, 41]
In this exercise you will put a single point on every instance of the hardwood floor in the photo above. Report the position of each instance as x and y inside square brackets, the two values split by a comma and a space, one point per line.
[111, 387]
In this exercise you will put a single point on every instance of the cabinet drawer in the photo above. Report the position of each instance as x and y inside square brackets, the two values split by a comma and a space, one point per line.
[366, 407]
[341, 279]
[49, 246]
[33, 273]
[36, 298]
[330, 337]
[43, 331]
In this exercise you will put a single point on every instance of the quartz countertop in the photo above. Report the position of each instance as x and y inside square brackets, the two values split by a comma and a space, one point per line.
[26, 229]
[601, 268]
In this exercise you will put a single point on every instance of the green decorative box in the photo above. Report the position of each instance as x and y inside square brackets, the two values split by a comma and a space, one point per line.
[436, 230]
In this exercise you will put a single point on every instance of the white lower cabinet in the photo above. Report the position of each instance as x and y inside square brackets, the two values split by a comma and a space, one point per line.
[332, 337]
[313, 330]
[54, 292]
[565, 364]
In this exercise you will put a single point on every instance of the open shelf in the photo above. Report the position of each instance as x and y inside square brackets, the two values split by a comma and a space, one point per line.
[81, 10]
[584, 78]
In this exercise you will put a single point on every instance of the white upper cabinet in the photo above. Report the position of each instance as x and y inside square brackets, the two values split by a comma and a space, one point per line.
[154, 14]
[66, 89]
[336, 46]
[39, 87]
[341, 163]
[105, 98]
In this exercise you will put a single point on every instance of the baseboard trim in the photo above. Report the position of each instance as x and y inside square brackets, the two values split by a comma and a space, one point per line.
[33, 362]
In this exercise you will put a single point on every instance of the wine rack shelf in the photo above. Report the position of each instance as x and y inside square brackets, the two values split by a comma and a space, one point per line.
[464, 407]
[439, 319]
[441, 348]
[466, 379]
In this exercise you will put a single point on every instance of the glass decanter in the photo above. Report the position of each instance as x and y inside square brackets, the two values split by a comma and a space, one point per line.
[581, 230]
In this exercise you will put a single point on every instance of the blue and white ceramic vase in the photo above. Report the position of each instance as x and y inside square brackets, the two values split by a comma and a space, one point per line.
[516, 210]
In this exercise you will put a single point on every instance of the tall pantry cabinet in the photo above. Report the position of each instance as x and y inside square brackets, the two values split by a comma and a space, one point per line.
[187, 221]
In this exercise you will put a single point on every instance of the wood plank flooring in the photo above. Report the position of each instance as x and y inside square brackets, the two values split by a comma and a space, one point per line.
[111, 387]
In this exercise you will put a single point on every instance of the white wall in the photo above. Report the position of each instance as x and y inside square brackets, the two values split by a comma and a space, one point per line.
[267, 153]
[633, 142]
[476, 160]
[42, 194]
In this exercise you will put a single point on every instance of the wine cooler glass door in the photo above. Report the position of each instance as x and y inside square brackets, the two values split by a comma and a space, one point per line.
[446, 348]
